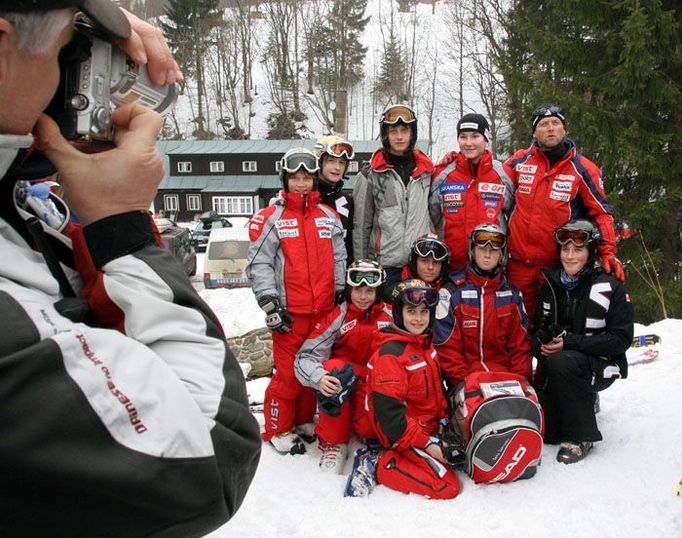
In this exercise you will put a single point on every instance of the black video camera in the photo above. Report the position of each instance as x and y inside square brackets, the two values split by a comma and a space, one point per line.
[96, 77]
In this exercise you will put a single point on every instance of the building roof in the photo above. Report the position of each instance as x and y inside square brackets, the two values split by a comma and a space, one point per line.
[219, 183]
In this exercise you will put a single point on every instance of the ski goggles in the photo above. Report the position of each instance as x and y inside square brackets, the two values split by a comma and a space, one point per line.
[367, 277]
[578, 237]
[546, 111]
[431, 247]
[398, 113]
[339, 149]
[484, 238]
[417, 296]
[294, 162]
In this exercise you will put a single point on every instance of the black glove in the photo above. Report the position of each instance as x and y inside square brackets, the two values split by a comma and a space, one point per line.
[331, 405]
[277, 319]
[548, 330]
[339, 297]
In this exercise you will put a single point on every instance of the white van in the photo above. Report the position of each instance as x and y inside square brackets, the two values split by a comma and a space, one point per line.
[225, 258]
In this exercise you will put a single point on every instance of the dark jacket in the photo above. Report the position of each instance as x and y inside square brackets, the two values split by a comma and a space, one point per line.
[332, 194]
[597, 315]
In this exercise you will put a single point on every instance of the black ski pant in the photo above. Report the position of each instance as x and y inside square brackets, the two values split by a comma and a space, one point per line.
[573, 379]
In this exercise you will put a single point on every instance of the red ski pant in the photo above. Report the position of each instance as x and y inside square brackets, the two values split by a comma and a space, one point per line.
[354, 416]
[287, 403]
[528, 280]
[410, 472]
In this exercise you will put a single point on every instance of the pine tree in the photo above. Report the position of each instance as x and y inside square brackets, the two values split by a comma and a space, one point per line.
[392, 82]
[616, 68]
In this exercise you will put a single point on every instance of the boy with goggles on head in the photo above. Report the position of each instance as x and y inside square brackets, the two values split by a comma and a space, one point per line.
[292, 239]
[428, 261]
[469, 187]
[333, 156]
[391, 196]
[406, 405]
[554, 182]
[333, 361]
[481, 323]
[583, 326]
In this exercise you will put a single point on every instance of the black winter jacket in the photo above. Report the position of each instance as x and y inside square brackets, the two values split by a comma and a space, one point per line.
[597, 315]
[332, 195]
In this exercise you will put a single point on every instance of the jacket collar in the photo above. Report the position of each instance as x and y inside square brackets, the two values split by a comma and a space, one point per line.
[300, 201]
[423, 164]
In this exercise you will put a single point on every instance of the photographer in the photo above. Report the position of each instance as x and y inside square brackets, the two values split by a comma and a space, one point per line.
[136, 423]
[584, 322]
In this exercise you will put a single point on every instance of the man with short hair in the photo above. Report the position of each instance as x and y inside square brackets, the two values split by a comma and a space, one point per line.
[554, 183]
[391, 196]
[124, 413]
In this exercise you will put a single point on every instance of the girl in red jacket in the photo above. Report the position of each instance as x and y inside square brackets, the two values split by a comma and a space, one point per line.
[481, 324]
[406, 405]
[429, 260]
[333, 360]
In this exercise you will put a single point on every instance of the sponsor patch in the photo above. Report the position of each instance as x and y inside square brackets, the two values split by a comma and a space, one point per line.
[470, 323]
[491, 196]
[286, 223]
[348, 326]
[452, 197]
[453, 187]
[526, 168]
[254, 226]
[258, 218]
[562, 186]
[491, 187]
[523, 189]
[454, 204]
[561, 196]
[565, 177]
[325, 234]
[469, 294]
[490, 203]
[505, 293]
[451, 210]
[287, 233]
[382, 324]
[525, 178]
[490, 213]
[324, 222]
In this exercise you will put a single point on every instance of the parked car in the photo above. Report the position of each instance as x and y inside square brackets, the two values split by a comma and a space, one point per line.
[208, 221]
[225, 260]
[177, 240]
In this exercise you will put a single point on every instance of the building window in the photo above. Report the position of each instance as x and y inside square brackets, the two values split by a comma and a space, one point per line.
[184, 166]
[193, 202]
[217, 166]
[353, 166]
[249, 166]
[233, 205]
[170, 202]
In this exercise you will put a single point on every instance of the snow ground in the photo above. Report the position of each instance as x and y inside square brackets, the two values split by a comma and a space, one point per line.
[626, 487]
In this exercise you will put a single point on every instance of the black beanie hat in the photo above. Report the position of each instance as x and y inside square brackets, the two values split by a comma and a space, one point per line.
[547, 110]
[474, 122]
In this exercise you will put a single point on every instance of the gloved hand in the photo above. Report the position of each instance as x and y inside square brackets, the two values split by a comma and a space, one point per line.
[277, 319]
[339, 297]
[548, 330]
[331, 405]
[611, 264]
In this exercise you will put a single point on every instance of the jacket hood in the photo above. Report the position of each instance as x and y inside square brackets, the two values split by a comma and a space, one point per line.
[422, 163]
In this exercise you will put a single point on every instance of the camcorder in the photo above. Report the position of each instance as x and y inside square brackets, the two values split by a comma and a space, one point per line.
[97, 77]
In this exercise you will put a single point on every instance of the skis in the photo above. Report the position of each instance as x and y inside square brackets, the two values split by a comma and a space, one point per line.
[643, 357]
[645, 340]
[644, 349]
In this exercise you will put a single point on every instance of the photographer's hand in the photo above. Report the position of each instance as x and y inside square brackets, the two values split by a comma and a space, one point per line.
[112, 182]
[556, 345]
[147, 46]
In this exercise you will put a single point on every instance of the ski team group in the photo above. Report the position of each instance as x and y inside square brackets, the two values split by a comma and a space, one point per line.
[382, 303]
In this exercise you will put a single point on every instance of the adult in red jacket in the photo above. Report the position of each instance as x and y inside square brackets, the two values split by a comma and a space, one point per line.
[296, 260]
[469, 187]
[481, 324]
[406, 404]
[554, 183]
[340, 344]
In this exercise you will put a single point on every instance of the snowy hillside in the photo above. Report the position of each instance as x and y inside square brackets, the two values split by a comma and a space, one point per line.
[624, 488]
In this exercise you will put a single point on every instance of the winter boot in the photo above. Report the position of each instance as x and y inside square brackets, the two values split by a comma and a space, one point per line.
[363, 477]
[573, 452]
[288, 443]
[306, 432]
[333, 457]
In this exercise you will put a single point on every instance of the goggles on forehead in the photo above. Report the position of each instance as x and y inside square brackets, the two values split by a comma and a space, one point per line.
[294, 162]
[415, 297]
[548, 111]
[578, 237]
[372, 277]
[398, 113]
[339, 149]
[496, 240]
[431, 247]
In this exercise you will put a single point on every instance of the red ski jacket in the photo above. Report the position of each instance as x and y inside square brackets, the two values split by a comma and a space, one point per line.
[463, 197]
[297, 253]
[405, 391]
[346, 333]
[485, 328]
[546, 199]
